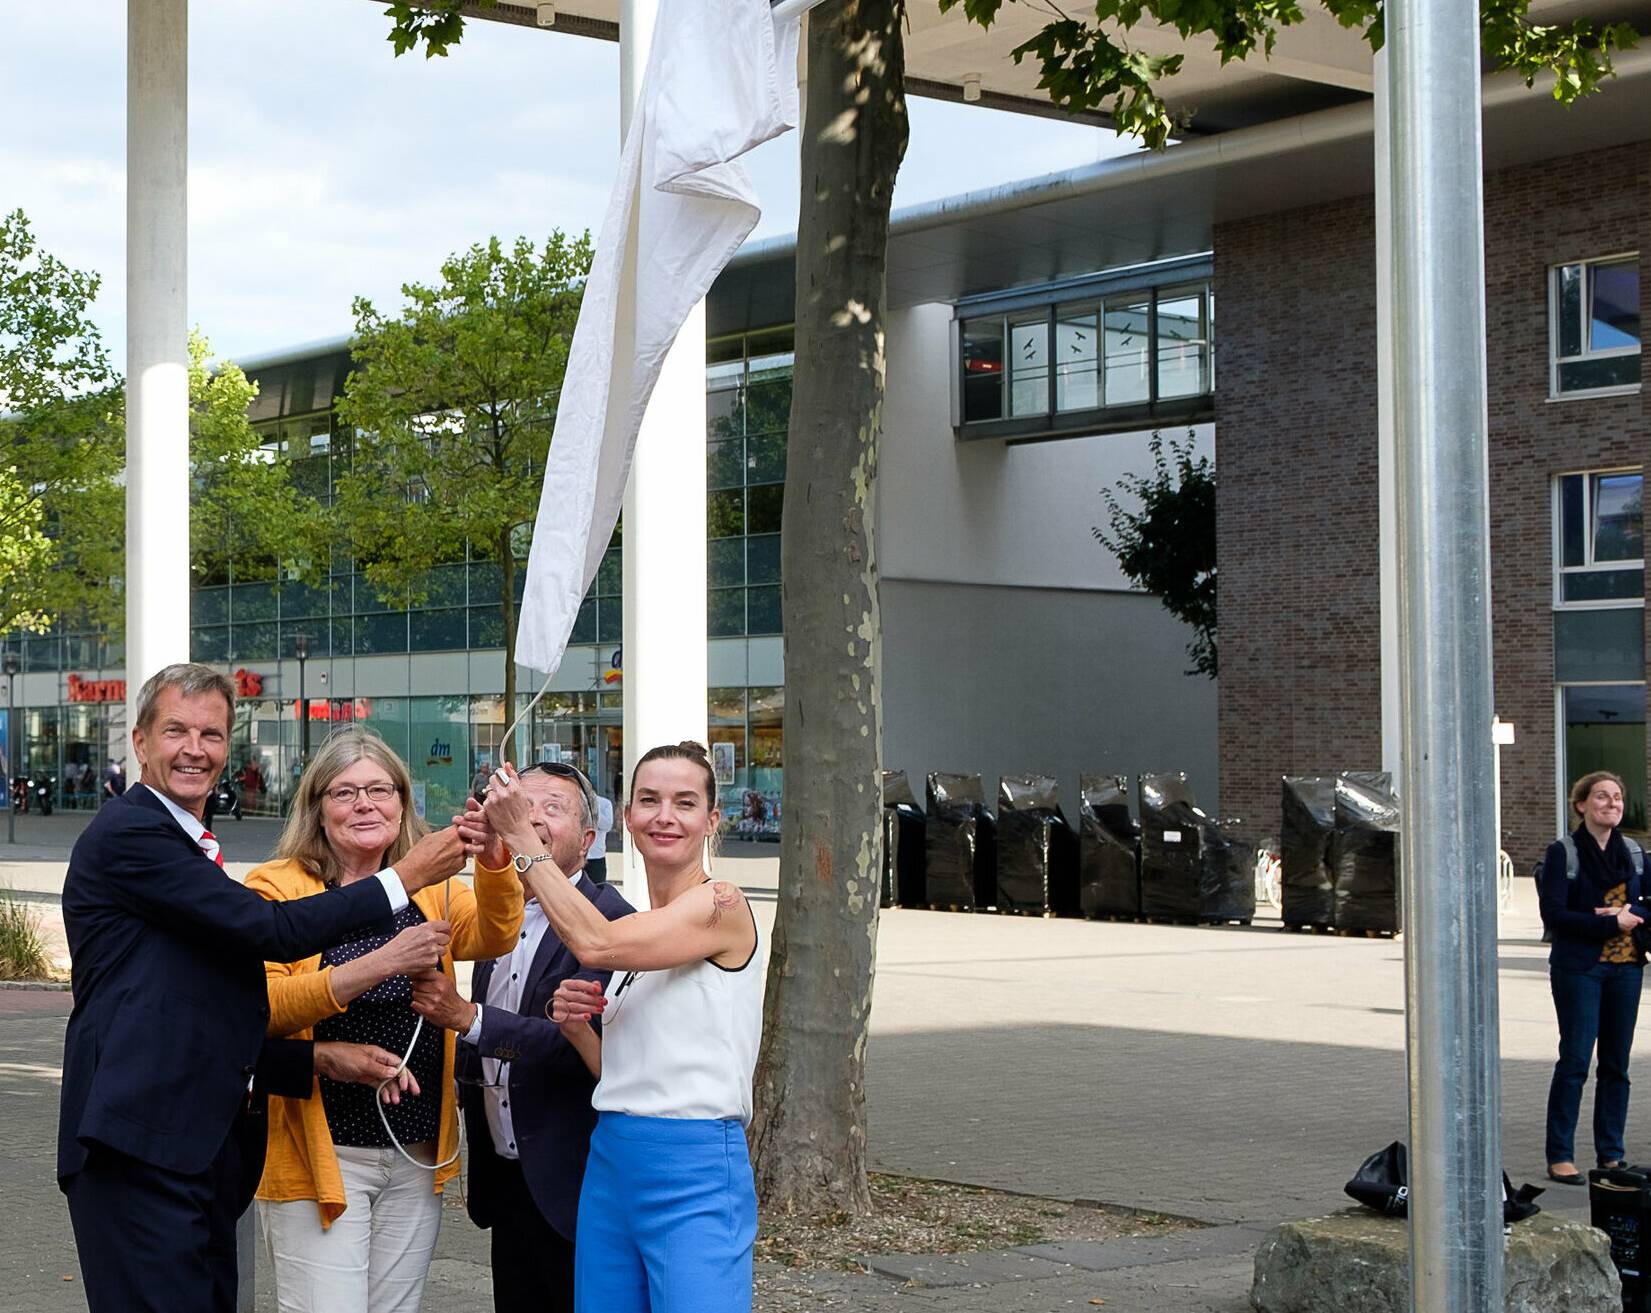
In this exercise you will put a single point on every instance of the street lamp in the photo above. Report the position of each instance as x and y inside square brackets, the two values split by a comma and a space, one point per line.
[301, 650]
[11, 664]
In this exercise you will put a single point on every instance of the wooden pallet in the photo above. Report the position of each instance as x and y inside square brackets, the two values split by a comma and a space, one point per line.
[1306, 928]
[1342, 932]
[1224, 920]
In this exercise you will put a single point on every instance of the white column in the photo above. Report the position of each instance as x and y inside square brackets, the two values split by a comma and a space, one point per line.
[157, 341]
[664, 519]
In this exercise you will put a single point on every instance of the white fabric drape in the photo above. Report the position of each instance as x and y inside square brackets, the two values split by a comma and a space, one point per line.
[721, 79]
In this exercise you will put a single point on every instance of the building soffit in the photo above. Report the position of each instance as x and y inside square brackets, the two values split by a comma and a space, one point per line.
[1315, 64]
[1267, 135]
[1145, 207]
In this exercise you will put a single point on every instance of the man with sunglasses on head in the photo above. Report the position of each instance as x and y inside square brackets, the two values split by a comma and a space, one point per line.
[524, 1090]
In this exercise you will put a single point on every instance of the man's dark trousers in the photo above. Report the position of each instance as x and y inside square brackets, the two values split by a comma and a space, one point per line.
[145, 1234]
[532, 1260]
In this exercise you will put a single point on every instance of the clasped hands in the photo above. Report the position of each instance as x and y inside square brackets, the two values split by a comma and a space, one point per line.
[1625, 917]
[508, 812]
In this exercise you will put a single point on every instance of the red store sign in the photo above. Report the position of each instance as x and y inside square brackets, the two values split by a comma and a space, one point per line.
[343, 710]
[248, 684]
[96, 690]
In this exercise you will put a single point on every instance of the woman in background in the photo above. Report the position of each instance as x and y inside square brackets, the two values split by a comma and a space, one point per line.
[1591, 898]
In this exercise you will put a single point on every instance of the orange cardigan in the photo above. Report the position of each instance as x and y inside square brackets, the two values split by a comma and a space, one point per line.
[301, 1162]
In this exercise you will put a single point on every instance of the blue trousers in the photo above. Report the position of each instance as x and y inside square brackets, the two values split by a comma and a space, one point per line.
[667, 1218]
[1596, 1005]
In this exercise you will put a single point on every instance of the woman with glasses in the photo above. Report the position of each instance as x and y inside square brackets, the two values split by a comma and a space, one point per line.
[668, 1211]
[351, 1194]
[1592, 900]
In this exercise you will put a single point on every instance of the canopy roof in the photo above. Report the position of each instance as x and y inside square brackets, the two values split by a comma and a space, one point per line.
[1315, 65]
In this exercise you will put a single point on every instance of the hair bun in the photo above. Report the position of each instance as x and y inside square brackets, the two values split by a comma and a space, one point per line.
[695, 747]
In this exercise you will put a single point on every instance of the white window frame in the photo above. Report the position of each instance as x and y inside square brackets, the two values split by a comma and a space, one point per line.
[1555, 393]
[1562, 785]
[1589, 565]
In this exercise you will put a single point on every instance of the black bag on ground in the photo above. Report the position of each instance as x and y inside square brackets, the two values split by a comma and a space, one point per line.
[1226, 873]
[1619, 1204]
[1036, 849]
[1382, 1183]
[1172, 832]
[961, 843]
[904, 827]
[1306, 884]
[1364, 852]
[1109, 845]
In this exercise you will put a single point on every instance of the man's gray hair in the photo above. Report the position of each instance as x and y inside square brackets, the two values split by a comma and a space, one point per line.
[191, 680]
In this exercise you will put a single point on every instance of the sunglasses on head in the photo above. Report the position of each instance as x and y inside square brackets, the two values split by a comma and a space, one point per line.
[561, 770]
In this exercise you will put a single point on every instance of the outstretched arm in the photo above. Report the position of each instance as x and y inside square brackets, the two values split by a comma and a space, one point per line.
[712, 921]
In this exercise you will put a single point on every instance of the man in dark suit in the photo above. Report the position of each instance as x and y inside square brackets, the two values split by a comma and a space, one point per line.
[524, 1090]
[165, 1065]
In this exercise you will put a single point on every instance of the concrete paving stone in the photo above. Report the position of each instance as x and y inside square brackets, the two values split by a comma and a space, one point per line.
[1137, 1251]
[984, 1268]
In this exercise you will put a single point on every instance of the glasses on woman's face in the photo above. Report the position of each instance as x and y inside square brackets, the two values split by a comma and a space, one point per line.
[344, 795]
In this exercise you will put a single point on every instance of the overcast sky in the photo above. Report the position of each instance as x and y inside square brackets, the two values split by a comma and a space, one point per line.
[322, 168]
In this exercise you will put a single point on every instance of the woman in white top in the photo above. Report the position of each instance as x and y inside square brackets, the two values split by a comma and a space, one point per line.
[668, 1212]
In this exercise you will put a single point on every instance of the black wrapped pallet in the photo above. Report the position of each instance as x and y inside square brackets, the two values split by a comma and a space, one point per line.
[1171, 848]
[1037, 868]
[904, 827]
[961, 844]
[1306, 884]
[1109, 880]
[1364, 852]
[1226, 890]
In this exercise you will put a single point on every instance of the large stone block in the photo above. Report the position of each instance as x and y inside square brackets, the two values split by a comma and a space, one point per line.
[1356, 1261]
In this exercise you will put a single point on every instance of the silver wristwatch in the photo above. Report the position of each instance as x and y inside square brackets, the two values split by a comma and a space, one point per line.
[522, 863]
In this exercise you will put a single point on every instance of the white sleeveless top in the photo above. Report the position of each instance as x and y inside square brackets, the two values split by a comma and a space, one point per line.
[683, 1043]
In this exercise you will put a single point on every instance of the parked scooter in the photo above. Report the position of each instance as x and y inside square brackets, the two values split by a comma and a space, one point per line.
[224, 800]
[36, 794]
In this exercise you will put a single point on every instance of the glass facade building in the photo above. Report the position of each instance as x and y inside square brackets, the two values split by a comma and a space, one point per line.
[448, 716]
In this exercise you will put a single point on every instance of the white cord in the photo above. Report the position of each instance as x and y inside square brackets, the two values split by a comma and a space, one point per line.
[447, 902]
[504, 741]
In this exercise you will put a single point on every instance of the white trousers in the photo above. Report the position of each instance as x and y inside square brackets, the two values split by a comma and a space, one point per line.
[375, 1256]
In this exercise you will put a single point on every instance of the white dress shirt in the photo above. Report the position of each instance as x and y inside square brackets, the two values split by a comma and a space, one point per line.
[604, 823]
[504, 991]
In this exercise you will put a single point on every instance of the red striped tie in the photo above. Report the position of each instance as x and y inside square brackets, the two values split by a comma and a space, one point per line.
[210, 846]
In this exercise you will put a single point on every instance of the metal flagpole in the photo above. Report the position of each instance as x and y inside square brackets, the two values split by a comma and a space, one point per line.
[1441, 449]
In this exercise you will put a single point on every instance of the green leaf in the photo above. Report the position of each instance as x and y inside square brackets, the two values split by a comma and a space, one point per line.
[1091, 66]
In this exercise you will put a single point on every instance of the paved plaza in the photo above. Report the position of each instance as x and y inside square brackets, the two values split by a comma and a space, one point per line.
[1235, 1076]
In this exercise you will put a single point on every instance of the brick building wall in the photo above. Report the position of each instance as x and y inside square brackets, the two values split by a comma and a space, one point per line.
[1300, 687]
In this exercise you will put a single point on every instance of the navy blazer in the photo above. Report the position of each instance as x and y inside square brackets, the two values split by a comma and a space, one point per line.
[170, 1000]
[1568, 908]
[550, 1086]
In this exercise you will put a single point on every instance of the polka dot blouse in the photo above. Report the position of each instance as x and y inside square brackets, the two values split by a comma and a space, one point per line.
[382, 1016]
